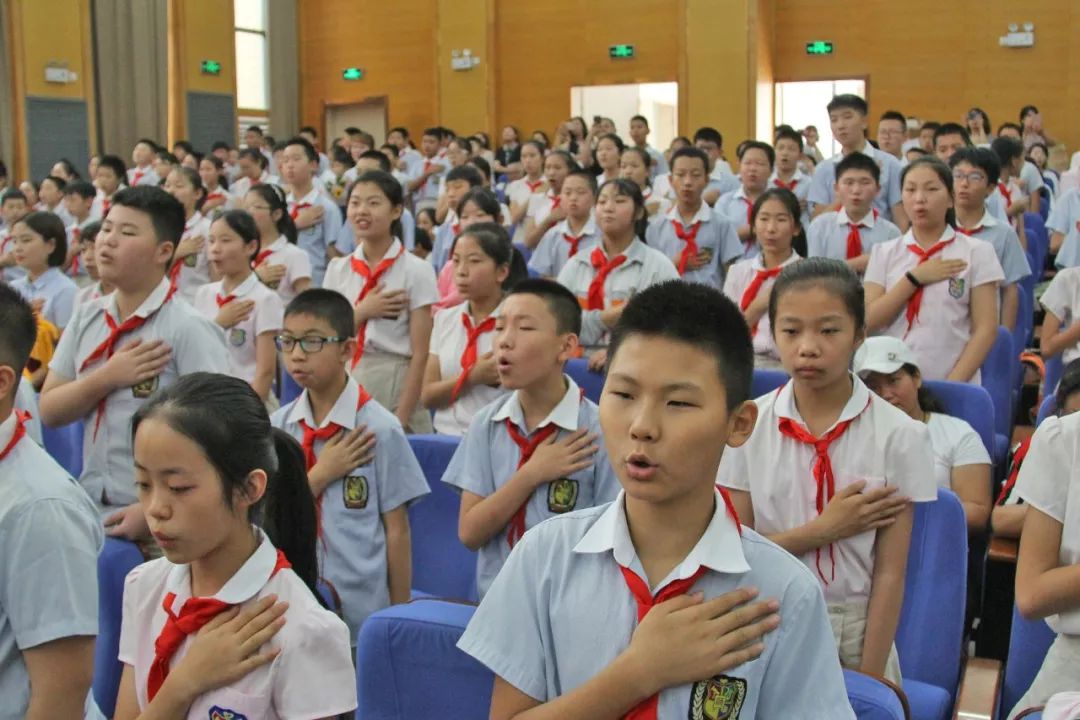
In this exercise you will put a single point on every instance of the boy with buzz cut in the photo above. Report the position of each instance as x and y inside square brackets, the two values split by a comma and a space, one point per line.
[459, 180]
[317, 217]
[49, 541]
[423, 184]
[789, 148]
[142, 156]
[533, 454]
[117, 350]
[360, 465]
[849, 233]
[638, 608]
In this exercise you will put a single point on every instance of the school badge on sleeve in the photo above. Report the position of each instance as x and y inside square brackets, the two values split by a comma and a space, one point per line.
[220, 713]
[145, 389]
[956, 287]
[562, 495]
[355, 492]
[720, 698]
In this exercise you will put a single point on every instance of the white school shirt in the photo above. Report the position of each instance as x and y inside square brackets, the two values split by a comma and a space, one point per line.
[297, 267]
[87, 294]
[240, 188]
[59, 211]
[414, 275]
[659, 164]
[827, 234]
[540, 206]
[448, 341]
[231, 201]
[50, 537]
[735, 206]
[955, 444]
[518, 191]
[487, 458]
[429, 191]
[644, 266]
[197, 345]
[723, 178]
[801, 191]
[346, 239]
[823, 184]
[143, 176]
[739, 277]
[1062, 298]
[560, 612]
[312, 677]
[1049, 482]
[553, 250]
[943, 327]
[195, 269]
[241, 338]
[26, 399]
[882, 446]
[1031, 179]
[352, 506]
[1010, 253]
[1065, 219]
[56, 289]
[74, 231]
[717, 234]
[317, 239]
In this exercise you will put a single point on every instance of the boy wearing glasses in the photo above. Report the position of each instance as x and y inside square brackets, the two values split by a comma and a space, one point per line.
[360, 465]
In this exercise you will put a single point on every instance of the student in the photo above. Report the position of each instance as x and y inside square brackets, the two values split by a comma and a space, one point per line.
[618, 266]
[975, 172]
[111, 176]
[392, 292]
[190, 267]
[639, 134]
[142, 157]
[212, 172]
[585, 636]
[484, 167]
[78, 207]
[756, 161]
[532, 182]
[478, 206]
[280, 264]
[926, 135]
[310, 134]
[65, 169]
[458, 154]
[51, 194]
[424, 186]
[979, 127]
[699, 241]
[40, 248]
[546, 211]
[164, 163]
[776, 232]
[891, 132]
[948, 139]
[952, 328]
[48, 599]
[334, 179]
[577, 232]
[811, 136]
[425, 220]
[461, 376]
[508, 157]
[961, 461]
[721, 179]
[97, 288]
[857, 538]
[316, 233]
[459, 180]
[1013, 196]
[1064, 226]
[635, 164]
[849, 233]
[409, 156]
[118, 350]
[1060, 330]
[847, 117]
[609, 148]
[13, 207]
[424, 245]
[252, 168]
[227, 623]
[789, 148]
[1027, 178]
[360, 466]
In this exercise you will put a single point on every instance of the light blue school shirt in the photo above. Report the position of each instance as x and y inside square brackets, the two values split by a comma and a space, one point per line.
[717, 234]
[560, 612]
[827, 234]
[1010, 252]
[317, 239]
[823, 184]
[56, 289]
[1065, 219]
[553, 251]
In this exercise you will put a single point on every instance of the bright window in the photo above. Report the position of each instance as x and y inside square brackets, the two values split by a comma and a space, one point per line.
[252, 86]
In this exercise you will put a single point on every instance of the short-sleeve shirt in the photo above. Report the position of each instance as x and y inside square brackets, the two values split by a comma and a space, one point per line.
[739, 277]
[352, 506]
[429, 191]
[50, 537]
[1062, 298]
[346, 238]
[735, 206]
[240, 188]
[26, 399]
[1050, 483]
[87, 294]
[801, 189]
[955, 444]
[716, 234]
[540, 206]
[448, 340]
[56, 289]
[1065, 219]
[197, 345]
[882, 446]
[943, 327]
[443, 242]
[297, 267]
[143, 176]
[241, 339]
[317, 239]
[1006, 244]
[313, 675]
[519, 193]
[195, 268]
[560, 612]
[823, 185]
[828, 232]
[553, 251]
[488, 457]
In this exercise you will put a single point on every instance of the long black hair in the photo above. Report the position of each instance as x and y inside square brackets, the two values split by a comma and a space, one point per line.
[241, 223]
[785, 196]
[274, 196]
[495, 243]
[629, 188]
[390, 187]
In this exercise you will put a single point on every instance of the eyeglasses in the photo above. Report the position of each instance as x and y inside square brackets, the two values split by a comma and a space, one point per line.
[308, 343]
[971, 177]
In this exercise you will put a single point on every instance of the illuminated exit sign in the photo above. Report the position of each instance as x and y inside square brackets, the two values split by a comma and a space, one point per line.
[819, 47]
[621, 52]
[353, 73]
[210, 67]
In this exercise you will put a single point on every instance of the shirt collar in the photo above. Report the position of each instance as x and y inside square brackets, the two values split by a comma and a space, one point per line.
[589, 228]
[867, 149]
[759, 260]
[948, 234]
[868, 221]
[150, 305]
[784, 403]
[564, 414]
[703, 214]
[343, 413]
[241, 587]
[392, 252]
[799, 176]
[719, 548]
[311, 198]
[44, 279]
[244, 287]
[279, 244]
[988, 220]
[7, 429]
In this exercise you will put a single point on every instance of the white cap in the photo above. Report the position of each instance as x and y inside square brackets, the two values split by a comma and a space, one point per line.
[883, 354]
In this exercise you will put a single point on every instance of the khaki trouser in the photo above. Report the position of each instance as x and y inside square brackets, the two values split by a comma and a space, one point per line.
[1060, 672]
[383, 376]
[848, 622]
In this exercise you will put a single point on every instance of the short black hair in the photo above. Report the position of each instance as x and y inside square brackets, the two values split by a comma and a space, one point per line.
[12, 193]
[690, 152]
[379, 157]
[18, 330]
[254, 128]
[328, 305]
[468, 173]
[764, 147]
[1007, 149]
[561, 303]
[786, 132]
[116, 164]
[858, 161]
[588, 177]
[81, 188]
[152, 144]
[220, 145]
[90, 232]
[422, 239]
[951, 128]
[49, 227]
[309, 149]
[185, 146]
[697, 315]
[1028, 110]
[482, 165]
[709, 134]
[435, 132]
[166, 213]
[166, 156]
[1010, 126]
[849, 101]
[931, 125]
[894, 115]
[982, 158]
[310, 130]
[641, 119]
[255, 155]
[339, 154]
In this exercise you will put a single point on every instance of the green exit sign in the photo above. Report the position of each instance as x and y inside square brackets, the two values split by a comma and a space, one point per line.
[621, 52]
[210, 67]
[819, 47]
[353, 73]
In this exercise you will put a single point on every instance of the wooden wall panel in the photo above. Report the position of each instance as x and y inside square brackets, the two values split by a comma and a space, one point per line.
[466, 101]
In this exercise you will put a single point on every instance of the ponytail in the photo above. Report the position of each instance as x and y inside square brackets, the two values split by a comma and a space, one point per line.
[274, 196]
[289, 515]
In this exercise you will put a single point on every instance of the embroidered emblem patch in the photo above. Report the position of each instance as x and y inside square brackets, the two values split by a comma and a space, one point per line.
[707, 253]
[956, 287]
[562, 495]
[237, 336]
[145, 389]
[220, 713]
[720, 698]
[355, 492]
[272, 285]
[190, 261]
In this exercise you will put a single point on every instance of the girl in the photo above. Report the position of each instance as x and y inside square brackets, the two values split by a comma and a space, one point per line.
[461, 376]
[51, 194]
[479, 205]
[776, 229]
[636, 164]
[40, 248]
[676, 144]
[830, 469]
[519, 192]
[961, 461]
[212, 173]
[618, 266]
[953, 327]
[609, 149]
[30, 189]
[577, 233]
[509, 153]
[190, 268]
[541, 137]
[458, 152]
[1039, 156]
[227, 624]
[392, 292]
[425, 220]
[280, 264]
[1060, 330]
[65, 170]
[97, 287]
[978, 127]
[544, 210]
[250, 313]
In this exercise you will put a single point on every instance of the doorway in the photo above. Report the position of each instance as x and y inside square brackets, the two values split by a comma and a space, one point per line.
[369, 115]
[657, 102]
[799, 104]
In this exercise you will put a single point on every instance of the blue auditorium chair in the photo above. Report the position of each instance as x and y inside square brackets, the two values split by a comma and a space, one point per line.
[65, 445]
[117, 559]
[1028, 642]
[998, 371]
[872, 699]
[289, 389]
[1055, 366]
[1048, 408]
[967, 402]
[591, 382]
[765, 381]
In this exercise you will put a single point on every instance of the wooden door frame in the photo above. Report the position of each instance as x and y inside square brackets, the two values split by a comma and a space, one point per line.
[328, 105]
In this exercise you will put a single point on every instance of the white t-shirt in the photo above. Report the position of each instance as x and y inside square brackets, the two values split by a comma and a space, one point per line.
[955, 444]
[241, 338]
[1062, 298]
[297, 267]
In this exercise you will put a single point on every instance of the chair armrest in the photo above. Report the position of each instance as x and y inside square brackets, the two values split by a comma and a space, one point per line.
[980, 687]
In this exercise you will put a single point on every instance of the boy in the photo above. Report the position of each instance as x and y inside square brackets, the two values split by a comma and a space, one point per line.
[975, 174]
[51, 539]
[700, 241]
[13, 208]
[79, 203]
[756, 161]
[95, 287]
[411, 160]
[789, 148]
[459, 180]
[109, 177]
[891, 132]
[721, 179]
[316, 232]
[310, 134]
[164, 163]
[254, 139]
[346, 240]
[424, 185]
[926, 135]
[847, 117]
[533, 454]
[142, 155]
[577, 233]
[849, 233]
[949, 138]
[572, 627]
[118, 350]
[639, 133]
[360, 466]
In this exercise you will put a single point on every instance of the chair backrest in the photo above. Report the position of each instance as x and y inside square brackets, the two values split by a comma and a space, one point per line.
[117, 559]
[872, 699]
[442, 566]
[1037, 252]
[409, 666]
[289, 390]
[997, 374]
[1028, 642]
[1055, 366]
[930, 635]
[65, 445]
[1025, 313]
[967, 402]
[1036, 222]
[591, 382]
[1048, 408]
[765, 381]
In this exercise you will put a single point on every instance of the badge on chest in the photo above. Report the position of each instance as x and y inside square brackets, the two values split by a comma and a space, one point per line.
[237, 336]
[220, 713]
[355, 492]
[956, 287]
[562, 495]
[145, 389]
[720, 698]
